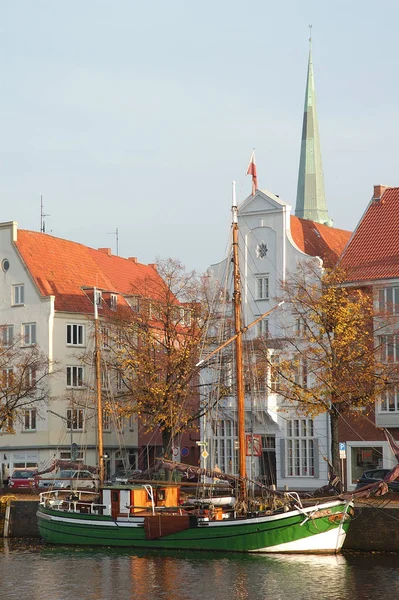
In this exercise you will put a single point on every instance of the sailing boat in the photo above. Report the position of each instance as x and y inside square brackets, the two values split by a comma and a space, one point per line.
[151, 515]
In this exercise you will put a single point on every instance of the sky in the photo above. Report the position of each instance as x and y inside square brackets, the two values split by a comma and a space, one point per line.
[137, 116]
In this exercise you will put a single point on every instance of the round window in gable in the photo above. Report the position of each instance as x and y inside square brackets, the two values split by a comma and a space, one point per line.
[5, 265]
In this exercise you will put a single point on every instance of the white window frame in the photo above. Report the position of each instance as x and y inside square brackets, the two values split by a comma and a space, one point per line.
[262, 328]
[30, 377]
[389, 401]
[75, 376]
[106, 422]
[8, 426]
[30, 419]
[389, 345]
[388, 300]
[75, 419]
[300, 448]
[274, 373]
[119, 380]
[262, 287]
[301, 371]
[7, 333]
[98, 298]
[225, 446]
[113, 301]
[29, 337]
[7, 375]
[75, 334]
[18, 294]
[105, 337]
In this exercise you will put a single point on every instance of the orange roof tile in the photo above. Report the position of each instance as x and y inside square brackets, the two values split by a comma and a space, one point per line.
[62, 268]
[373, 252]
[316, 239]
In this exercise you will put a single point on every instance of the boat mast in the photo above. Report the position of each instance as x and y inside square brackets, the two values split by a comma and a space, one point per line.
[238, 348]
[97, 354]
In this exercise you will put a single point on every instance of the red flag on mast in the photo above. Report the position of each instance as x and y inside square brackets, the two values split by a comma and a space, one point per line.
[252, 171]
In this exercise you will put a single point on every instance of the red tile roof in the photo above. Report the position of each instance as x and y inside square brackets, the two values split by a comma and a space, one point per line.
[316, 239]
[373, 252]
[62, 268]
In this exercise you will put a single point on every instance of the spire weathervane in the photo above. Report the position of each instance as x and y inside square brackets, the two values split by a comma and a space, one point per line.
[310, 33]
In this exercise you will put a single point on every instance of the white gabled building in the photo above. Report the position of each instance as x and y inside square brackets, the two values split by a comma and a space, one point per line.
[289, 449]
[46, 298]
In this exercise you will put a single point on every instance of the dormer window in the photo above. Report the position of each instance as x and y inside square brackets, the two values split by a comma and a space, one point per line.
[113, 301]
[98, 298]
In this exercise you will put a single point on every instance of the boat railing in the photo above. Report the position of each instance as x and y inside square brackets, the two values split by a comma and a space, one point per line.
[295, 497]
[72, 503]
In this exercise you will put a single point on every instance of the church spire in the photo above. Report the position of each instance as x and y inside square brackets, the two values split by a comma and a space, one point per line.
[311, 199]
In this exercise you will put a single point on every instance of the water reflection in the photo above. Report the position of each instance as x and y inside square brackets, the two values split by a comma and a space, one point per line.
[54, 573]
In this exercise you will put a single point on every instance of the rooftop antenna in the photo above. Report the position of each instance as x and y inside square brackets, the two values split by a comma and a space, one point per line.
[116, 234]
[42, 215]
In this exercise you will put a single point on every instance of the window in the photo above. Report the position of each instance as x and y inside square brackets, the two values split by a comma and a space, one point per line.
[389, 300]
[29, 334]
[389, 345]
[262, 287]
[263, 328]
[363, 458]
[75, 377]
[98, 296]
[299, 327]
[7, 376]
[113, 300]
[8, 426]
[119, 380]
[104, 380]
[274, 372]
[75, 335]
[30, 420]
[7, 335]
[106, 421]
[300, 448]
[134, 302]
[225, 447]
[18, 294]
[30, 377]
[301, 371]
[75, 419]
[187, 318]
[104, 331]
[390, 400]
[132, 422]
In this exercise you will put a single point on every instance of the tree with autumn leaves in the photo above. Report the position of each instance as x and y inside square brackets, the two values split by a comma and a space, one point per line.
[329, 359]
[156, 346]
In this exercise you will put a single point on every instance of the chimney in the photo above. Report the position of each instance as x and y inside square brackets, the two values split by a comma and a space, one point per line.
[379, 191]
[105, 251]
[153, 265]
[133, 259]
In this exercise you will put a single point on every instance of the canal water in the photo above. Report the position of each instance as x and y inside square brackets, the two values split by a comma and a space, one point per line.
[36, 572]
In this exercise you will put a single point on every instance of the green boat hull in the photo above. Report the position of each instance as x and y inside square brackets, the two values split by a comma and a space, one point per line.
[316, 529]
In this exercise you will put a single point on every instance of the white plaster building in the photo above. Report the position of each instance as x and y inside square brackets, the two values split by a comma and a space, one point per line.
[272, 244]
[46, 296]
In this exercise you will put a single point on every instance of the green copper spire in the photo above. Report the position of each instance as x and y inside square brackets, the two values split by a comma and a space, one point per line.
[311, 199]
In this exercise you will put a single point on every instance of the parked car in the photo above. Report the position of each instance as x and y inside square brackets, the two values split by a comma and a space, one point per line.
[375, 475]
[81, 480]
[22, 479]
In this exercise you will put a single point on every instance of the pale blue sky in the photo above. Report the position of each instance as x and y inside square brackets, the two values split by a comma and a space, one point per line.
[138, 115]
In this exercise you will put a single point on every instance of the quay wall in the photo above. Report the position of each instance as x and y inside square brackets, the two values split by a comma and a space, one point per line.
[373, 528]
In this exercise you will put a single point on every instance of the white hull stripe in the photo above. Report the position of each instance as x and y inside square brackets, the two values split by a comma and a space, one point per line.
[320, 542]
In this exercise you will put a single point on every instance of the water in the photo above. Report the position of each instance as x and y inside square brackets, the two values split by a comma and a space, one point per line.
[36, 572]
